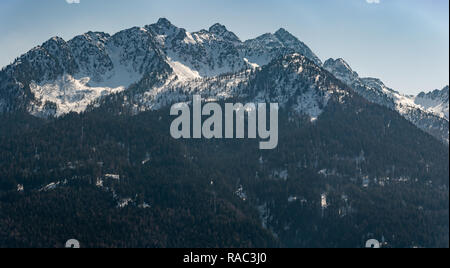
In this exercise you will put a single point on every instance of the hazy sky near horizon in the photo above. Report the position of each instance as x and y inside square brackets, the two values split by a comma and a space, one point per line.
[403, 42]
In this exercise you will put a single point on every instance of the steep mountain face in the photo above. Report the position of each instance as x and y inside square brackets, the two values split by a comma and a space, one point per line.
[297, 83]
[44, 63]
[221, 31]
[61, 77]
[265, 48]
[428, 112]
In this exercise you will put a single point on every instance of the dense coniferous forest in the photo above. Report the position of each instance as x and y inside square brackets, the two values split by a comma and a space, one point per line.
[113, 179]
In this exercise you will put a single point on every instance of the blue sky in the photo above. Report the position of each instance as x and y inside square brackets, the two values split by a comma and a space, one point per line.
[403, 42]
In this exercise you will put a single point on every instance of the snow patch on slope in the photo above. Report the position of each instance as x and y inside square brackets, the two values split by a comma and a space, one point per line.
[68, 94]
[311, 104]
[182, 71]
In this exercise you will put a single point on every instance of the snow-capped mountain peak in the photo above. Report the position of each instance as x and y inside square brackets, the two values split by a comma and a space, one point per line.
[292, 42]
[164, 26]
[222, 31]
[267, 47]
[341, 69]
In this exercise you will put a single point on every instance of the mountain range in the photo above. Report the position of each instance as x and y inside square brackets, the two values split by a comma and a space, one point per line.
[162, 63]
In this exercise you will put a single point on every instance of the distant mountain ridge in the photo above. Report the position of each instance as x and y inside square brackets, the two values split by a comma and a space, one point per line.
[428, 112]
[436, 101]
